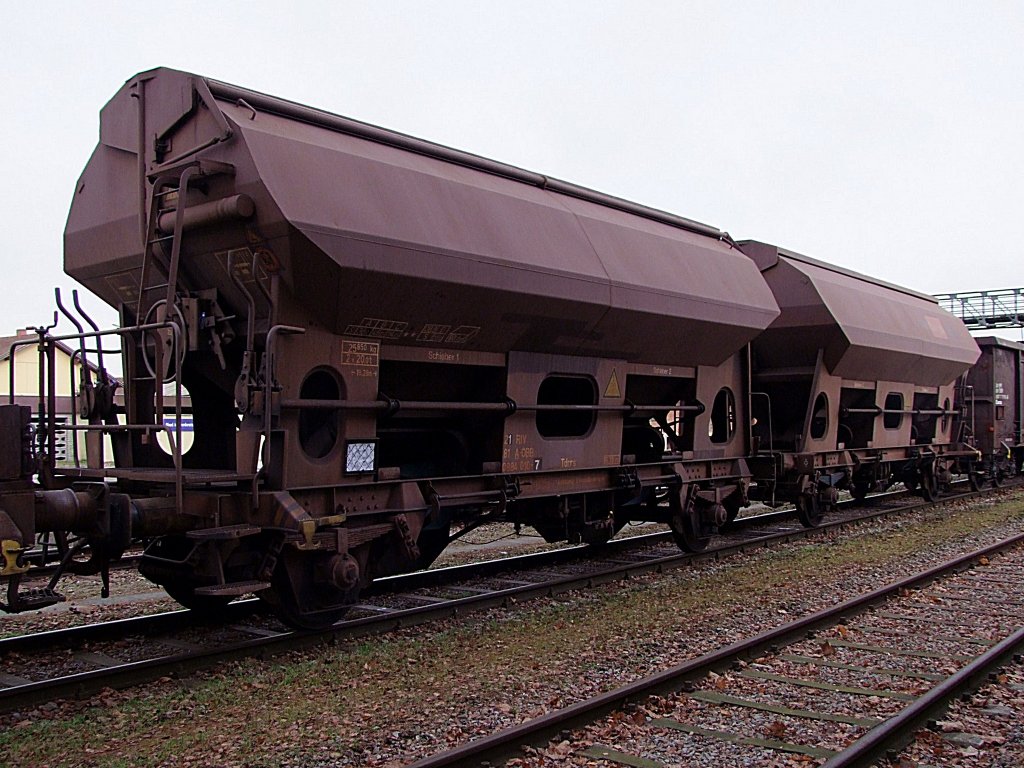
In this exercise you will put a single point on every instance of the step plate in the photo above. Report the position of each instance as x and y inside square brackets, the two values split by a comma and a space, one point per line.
[231, 590]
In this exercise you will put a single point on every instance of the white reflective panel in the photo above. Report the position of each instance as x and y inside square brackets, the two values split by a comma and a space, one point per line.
[360, 457]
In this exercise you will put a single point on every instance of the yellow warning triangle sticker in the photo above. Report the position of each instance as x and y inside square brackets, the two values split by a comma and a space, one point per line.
[612, 390]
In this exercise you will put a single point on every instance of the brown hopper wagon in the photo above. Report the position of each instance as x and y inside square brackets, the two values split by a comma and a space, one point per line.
[381, 343]
[853, 386]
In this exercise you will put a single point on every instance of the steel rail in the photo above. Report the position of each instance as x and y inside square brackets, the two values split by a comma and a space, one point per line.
[182, 618]
[898, 731]
[436, 575]
[135, 626]
[129, 674]
[505, 744]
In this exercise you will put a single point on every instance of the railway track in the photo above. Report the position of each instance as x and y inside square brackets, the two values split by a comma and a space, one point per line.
[844, 686]
[79, 661]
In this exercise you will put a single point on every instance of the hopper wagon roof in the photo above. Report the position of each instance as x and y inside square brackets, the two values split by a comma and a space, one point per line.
[532, 256]
[869, 329]
[999, 341]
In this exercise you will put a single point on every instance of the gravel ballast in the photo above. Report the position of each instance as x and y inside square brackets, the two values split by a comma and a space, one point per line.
[388, 701]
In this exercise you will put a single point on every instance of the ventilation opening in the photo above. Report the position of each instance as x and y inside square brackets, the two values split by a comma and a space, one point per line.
[857, 412]
[893, 416]
[819, 417]
[926, 420]
[318, 427]
[566, 390]
[675, 428]
[435, 442]
[166, 439]
[722, 425]
[779, 410]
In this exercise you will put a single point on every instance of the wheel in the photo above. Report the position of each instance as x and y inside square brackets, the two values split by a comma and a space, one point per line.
[684, 520]
[929, 486]
[974, 480]
[301, 599]
[859, 491]
[620, 519]
[731, 511]
[432, 542]
[808, 510]
[203, 605]
[997, 478]
[291, 615]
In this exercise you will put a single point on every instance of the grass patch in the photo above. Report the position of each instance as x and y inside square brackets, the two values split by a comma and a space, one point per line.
[330, 702]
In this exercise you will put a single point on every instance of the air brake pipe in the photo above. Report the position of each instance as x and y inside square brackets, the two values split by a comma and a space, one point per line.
[915, 411]
[503, 407]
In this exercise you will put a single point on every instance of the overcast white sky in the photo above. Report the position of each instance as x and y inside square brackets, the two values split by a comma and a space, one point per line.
[887, 137]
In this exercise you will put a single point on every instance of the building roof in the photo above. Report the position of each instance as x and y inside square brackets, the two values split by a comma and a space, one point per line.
[29, 335]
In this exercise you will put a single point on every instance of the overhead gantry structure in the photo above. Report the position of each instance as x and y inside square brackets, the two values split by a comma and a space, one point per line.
[986, 310]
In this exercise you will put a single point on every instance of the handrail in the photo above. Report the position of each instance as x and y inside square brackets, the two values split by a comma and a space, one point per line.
[270, 381]
[47, 389]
